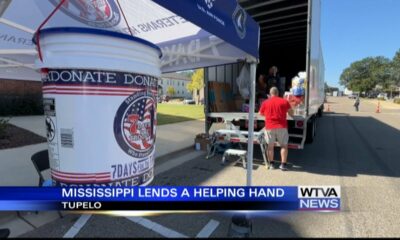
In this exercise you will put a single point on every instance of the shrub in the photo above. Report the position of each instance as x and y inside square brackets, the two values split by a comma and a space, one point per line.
[13, 105]
[396, 100]
[381, 98]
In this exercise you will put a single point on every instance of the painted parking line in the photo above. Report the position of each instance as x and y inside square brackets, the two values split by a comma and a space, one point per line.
[208, 229]
[163, 231]
[77, 226]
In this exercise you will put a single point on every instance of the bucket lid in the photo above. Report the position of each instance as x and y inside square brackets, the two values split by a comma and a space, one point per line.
[55, 30]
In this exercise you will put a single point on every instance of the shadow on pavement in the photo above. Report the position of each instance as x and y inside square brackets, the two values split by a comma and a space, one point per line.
[344, 146]
[350, 145]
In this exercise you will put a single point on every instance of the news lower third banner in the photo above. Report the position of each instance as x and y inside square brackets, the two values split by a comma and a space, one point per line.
[171, 198]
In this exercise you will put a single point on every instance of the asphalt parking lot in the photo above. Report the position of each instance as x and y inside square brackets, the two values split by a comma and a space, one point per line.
[358, 150]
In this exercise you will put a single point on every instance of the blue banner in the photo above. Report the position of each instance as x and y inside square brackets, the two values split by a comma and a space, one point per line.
[225, 19]
[169, 198]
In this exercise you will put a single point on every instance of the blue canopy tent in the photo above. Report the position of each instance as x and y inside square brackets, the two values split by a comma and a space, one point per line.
[191, 34]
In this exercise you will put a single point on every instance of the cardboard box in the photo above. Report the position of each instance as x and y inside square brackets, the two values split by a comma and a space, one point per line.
[201, 142]
[221, 97]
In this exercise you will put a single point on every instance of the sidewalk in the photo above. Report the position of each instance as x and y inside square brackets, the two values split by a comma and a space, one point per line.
[17, 169]
[34, 124]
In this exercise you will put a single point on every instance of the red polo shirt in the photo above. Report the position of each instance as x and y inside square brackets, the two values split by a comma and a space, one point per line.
[275, 110]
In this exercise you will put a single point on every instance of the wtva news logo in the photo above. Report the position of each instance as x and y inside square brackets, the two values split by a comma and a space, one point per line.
[319, 198]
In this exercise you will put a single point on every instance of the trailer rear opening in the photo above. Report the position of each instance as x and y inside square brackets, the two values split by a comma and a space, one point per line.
[289, 40]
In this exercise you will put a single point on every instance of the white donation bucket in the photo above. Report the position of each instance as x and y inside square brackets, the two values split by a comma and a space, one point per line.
[99, 90]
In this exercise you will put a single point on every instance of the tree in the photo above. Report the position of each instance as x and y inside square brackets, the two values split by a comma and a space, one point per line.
[393, 79]
[364, 75]
[345, 77]
[381, 72]
[395, 68]
[371, 73]
[197, 83]
[171, 91]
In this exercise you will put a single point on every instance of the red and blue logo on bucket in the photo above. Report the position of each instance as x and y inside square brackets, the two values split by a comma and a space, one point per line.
[134, 124]
[96, 13]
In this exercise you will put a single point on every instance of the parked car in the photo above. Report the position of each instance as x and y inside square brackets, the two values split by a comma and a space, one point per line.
[383, 95]
[352, 96]
[372, 95]
[188, 101]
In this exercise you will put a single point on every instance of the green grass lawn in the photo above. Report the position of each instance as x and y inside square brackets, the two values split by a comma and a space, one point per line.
[173, 113]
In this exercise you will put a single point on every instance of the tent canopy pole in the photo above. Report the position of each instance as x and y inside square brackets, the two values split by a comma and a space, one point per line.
[250, 143]
[16, 25]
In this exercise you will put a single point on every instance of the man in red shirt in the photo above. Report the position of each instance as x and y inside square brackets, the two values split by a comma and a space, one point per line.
[275, 109]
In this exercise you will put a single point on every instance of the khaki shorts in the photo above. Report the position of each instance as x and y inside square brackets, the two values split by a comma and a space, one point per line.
[279, 135]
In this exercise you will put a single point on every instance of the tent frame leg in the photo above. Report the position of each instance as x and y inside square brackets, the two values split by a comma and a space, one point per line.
[250, 140]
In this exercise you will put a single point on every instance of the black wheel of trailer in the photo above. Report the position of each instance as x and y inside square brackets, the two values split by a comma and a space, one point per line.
[311, 130]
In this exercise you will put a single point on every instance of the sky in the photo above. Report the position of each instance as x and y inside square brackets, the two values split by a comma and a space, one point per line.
[355, 29]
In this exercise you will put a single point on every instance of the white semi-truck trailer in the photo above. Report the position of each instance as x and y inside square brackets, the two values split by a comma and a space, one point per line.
[290, 40]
